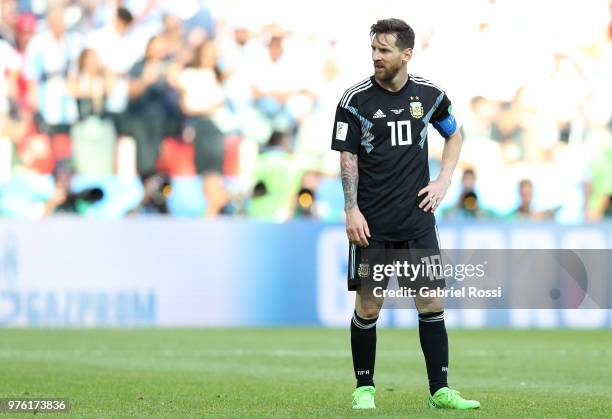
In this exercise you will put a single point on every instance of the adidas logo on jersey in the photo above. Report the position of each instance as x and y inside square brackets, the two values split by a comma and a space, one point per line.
[397, 111]
[379, 114]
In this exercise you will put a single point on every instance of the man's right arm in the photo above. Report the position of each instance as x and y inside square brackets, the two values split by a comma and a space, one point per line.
[356, 225]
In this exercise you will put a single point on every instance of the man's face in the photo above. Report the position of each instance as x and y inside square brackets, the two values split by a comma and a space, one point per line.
[242, 35]
[388, 59]
[468, 181]
[172, 25]
[526, 192]
[55, 19]
[156, 50]
[121, 26]
[275, 48]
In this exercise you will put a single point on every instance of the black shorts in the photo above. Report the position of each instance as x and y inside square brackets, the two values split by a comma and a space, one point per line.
[363, 260]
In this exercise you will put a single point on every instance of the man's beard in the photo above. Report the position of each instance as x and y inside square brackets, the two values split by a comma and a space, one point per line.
[389, 74]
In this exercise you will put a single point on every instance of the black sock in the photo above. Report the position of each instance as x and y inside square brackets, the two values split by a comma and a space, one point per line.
[363, 346]
[434, 342]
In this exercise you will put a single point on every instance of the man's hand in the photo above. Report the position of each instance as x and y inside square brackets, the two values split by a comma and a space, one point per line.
[150, 73]
[436, 191]
[357, 228]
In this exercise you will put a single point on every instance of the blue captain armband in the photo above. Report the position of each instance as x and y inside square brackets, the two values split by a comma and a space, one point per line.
[447, 126]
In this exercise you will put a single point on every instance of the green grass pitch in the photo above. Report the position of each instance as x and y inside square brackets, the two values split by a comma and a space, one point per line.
[303, 372]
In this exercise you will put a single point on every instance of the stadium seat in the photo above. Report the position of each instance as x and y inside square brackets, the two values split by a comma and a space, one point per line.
[23, 196]
[330, 199]
[177, 158]
[187, 197]
[231, 164]
[62, 146]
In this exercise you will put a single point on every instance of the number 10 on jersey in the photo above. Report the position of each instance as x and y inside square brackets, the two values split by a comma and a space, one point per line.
[397, 132]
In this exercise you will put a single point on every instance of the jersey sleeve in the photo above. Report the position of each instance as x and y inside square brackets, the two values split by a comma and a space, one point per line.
[347, 132]
[443, 120]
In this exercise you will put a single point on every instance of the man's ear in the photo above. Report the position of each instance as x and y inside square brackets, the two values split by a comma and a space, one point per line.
[407, 54]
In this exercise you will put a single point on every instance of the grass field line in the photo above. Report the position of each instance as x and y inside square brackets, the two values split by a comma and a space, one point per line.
[274, 353]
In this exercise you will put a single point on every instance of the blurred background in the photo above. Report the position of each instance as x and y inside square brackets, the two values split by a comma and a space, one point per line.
[202, 129]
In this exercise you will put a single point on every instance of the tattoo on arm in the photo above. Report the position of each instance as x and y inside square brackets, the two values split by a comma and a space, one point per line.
[350, 178]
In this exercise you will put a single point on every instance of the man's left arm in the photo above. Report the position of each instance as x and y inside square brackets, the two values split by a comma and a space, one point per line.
[446, 125]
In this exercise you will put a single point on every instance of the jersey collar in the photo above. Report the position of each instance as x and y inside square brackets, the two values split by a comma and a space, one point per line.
[399, 92]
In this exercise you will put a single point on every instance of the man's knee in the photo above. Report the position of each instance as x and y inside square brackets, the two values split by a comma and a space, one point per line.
[367, 307]
[429, 304]
[368, 312]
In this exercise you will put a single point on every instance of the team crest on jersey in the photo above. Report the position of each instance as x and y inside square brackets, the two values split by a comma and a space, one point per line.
[364, 270]
[416, 109]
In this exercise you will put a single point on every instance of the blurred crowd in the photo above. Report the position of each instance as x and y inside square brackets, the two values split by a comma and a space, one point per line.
[119, 108]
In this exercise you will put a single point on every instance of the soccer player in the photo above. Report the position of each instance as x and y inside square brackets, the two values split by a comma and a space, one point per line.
[381, 132]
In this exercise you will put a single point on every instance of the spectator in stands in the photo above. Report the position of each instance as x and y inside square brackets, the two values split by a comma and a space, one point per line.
[277, 181]
[217, 197]
[92, 16]
[467, 206]
[525, 210]
[25, 29]
[179, 54]
[241, 51]
[93, 136]
[201, 98]
[89, 85]
[239, 46]
[600, 183]
[172, 35]
[148, 91]
[607, 213]
[509, 127]
[479, 121]
[65, 201]
[157, 188]
[49, 57]
[115, 48]
[16, 105]
[306, 198]
[273, 83]
[9, 73]
[8, 17]
[270, 78]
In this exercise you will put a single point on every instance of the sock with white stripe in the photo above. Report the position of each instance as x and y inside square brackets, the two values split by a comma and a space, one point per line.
[363, 346]
[434, 343]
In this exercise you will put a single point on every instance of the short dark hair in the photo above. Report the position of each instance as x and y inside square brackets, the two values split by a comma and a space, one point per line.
[403, 31]
[469, 171]
[124, 15]
[277, 139]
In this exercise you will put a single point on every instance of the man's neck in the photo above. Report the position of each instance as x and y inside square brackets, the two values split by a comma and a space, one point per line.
[396, 83]
[57, 36]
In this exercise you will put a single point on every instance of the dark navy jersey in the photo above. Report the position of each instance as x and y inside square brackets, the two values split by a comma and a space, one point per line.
[388, 132]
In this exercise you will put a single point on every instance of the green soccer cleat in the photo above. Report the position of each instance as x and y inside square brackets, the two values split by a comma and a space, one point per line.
[363, 397]
[447, 398]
